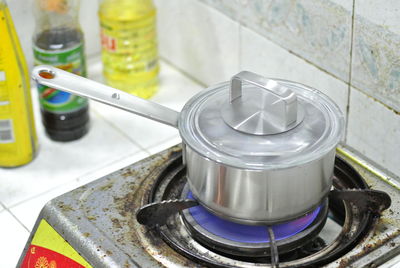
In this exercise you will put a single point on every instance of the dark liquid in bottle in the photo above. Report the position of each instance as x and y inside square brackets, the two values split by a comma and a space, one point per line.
[65, 126]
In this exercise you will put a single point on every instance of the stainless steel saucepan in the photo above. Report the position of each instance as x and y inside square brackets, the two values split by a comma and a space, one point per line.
[257, 150]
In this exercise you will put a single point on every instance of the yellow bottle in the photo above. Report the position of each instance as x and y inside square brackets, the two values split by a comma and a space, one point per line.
[129, 45]
[18, 140]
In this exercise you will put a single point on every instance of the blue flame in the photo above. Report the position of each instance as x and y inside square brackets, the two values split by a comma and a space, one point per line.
[248, 233]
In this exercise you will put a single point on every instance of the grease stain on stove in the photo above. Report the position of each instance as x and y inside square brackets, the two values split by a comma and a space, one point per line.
[64, 207]
[370, 247]
[143, 237]
[86, 234]
[129, 173]
[116, 223]
[92, 218]
[107, 186]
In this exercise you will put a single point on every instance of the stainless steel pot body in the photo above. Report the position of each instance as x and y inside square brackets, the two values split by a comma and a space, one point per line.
[258, 196]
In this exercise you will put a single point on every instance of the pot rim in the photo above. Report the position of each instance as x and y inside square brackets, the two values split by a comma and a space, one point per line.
[208, 153]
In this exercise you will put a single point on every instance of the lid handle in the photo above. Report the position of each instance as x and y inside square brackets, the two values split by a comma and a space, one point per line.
[271, 113]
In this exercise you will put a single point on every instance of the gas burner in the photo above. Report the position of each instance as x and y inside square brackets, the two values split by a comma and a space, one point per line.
[98, 221]
[188, 233]
[247, 240]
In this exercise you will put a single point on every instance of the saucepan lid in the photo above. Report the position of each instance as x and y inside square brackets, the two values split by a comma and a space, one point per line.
[253, 122]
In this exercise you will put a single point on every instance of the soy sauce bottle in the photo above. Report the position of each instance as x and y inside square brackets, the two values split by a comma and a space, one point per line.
[58, 41]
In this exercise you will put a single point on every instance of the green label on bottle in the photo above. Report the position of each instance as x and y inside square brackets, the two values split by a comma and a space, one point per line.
[71, 60]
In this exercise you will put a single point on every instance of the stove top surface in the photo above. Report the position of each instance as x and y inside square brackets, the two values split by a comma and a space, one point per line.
[98, 220]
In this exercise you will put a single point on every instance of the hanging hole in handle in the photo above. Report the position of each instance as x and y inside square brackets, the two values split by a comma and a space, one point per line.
[46, 74]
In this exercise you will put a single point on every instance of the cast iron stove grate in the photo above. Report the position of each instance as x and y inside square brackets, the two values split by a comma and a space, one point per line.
[350, 203]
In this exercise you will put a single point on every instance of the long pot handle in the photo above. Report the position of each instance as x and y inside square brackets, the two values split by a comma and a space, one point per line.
[65, 81]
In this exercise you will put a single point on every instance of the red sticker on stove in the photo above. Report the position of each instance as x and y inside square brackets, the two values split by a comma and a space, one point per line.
[45, 258]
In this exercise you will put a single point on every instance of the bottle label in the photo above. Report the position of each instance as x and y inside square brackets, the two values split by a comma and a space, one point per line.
[71, 60]
[6, 131]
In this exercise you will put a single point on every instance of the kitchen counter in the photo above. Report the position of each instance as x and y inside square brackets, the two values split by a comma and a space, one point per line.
[115, 140]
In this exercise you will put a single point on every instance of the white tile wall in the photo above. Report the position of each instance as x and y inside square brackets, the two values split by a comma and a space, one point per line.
[90, 26]
[376, 50]
[374, 130]
[347, 4]
[13, 237]
[386, 14]
[198, 39]
[24, 22]
[164, 145]
[262, 56]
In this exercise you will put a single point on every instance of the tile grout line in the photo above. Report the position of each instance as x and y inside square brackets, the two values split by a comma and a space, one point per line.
[15, 217]
[77, 179]
[108, 164]
[163, 141]
[37, 195]
[240, 46]
[376, 100]
[2, 205]
[350, 73]
[186, 74]
[298, 56]
[276, 43]
[312, 63]
[120, 131]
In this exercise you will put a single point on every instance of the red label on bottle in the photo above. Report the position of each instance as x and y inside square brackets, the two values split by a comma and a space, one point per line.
[108, 43]
[45, 258]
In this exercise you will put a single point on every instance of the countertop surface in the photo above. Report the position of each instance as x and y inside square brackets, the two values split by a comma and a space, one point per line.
[116, 139]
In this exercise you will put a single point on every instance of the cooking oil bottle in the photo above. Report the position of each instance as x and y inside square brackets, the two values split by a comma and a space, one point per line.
[18, 140]
[129, 45]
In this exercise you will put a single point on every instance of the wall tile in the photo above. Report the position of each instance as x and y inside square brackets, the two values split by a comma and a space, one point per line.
[90, 26]
[198, 39]
[382, 13]
[374, 131]
[262, 56]
[13, 239]
[319, 31]
[376, 51]
[229, 7]
[347, 4]
[22, 14]
[165, 145]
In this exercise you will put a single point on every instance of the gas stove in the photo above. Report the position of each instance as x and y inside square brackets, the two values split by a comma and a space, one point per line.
[95, 225]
